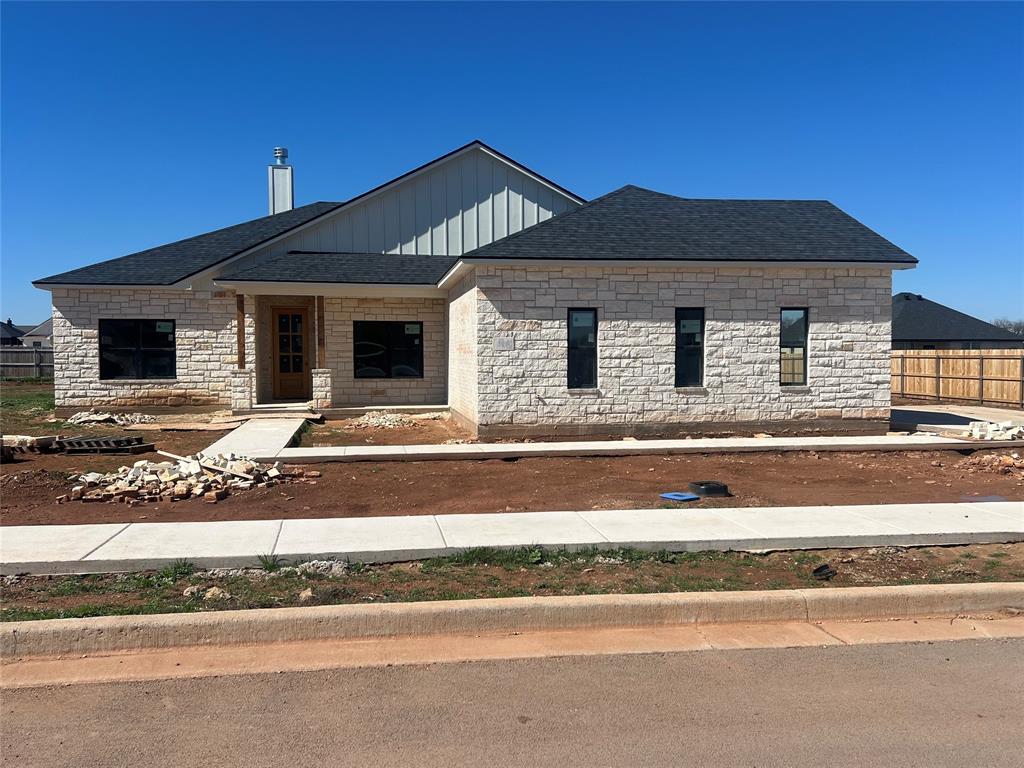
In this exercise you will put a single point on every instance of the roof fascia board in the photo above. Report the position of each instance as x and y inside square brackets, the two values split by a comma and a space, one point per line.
[526, 171]
[281, 288]
[681, 263]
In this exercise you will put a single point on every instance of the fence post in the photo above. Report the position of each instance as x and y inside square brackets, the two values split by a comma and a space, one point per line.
[981, 379]
[903, 375]
[1021, 393]
[938, 376]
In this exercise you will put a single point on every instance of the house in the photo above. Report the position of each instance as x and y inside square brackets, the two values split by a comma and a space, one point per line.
[473, 281]
[919, 323]
[10, 334]
[40, 335]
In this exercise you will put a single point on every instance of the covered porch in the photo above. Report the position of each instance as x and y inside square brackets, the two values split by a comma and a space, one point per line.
[327, 346]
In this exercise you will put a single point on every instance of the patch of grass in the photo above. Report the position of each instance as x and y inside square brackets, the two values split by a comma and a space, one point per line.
[179, 569]
[806, 558]
[999, 555]
[508, 558]
[968, 556]
[271, 563]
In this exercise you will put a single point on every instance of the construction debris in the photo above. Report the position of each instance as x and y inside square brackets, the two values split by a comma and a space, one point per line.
[121, 419]
[1006, 464]
[28, 443]
[382, 420]
[990, 430]
[73, 445]
[211, 478]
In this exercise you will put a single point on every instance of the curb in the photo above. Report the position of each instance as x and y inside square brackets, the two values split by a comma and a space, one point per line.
[110, 634]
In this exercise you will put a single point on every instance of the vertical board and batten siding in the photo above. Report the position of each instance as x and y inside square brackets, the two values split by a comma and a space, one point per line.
[461, 204]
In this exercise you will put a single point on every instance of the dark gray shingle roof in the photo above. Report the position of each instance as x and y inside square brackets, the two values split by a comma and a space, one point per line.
[915, 318]
[167, 264]
[328, 267]
[634, 223]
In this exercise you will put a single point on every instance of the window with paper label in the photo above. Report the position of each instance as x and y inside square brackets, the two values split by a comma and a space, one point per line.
[388, 350]
[582, 342]
[137, 349]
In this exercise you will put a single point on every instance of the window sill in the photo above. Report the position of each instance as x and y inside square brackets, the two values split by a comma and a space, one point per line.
[585, 391]
[139, 381]
[794, 390]
[691, 390]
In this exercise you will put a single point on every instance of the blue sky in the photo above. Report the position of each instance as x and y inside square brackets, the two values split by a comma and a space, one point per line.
[129, 125]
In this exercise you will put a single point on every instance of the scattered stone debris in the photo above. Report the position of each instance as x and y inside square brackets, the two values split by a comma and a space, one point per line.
[212, 478]
[306, 595]
[121, 419]
[324, 567]
[382, 420]
[1005, 464]
[990, 430]
[216, 593]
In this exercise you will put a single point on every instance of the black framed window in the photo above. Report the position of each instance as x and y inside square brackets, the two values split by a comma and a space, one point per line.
[137, 349]
[690, 347]
[388, 349]
[582, 339]
[793, 347]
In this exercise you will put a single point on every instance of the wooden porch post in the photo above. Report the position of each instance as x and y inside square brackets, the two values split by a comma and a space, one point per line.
[321, 334]
[240, 329]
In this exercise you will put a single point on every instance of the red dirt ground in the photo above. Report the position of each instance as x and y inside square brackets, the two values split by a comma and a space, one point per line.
[439, 487]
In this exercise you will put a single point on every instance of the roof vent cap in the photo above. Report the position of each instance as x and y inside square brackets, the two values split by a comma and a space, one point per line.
[281, 155]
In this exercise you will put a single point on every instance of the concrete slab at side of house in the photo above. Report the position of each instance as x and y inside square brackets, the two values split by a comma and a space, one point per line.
[141, 546]
[477, 451]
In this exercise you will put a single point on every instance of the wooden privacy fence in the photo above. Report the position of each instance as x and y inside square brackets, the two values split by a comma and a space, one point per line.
[981, 376]
[26, 363]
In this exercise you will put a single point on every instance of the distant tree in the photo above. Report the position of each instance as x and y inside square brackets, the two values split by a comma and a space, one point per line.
[1013, 326]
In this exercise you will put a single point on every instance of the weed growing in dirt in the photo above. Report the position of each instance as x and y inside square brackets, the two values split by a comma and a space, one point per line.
[271, 563]
[179, 569]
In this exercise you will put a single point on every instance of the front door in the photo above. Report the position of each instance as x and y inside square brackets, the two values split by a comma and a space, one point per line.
[292, 379]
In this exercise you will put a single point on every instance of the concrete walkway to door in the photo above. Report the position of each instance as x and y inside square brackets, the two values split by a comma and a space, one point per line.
[258, 437]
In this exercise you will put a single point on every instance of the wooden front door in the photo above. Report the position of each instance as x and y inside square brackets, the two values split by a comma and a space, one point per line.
[292, 378]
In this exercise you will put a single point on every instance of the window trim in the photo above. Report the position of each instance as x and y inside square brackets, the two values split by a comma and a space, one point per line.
[138, 349]
[388, 375]
[703, 348]
[807, 338]
[569, 348]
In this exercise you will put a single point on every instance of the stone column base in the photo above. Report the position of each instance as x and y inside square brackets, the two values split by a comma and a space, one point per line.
[321, 388]
[241, 389]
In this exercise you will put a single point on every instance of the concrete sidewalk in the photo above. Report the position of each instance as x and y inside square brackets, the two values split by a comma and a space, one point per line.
[479, 451]
[258, 437]
[140, 546]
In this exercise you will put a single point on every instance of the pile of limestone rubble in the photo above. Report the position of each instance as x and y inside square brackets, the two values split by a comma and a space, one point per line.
[989, 430]
[121, 419]
[1007, 464]
[211, 478]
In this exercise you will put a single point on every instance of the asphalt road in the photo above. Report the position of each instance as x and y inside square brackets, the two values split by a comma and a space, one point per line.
[942, 704]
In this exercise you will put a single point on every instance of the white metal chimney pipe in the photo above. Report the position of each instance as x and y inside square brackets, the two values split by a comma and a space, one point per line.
[280, 183]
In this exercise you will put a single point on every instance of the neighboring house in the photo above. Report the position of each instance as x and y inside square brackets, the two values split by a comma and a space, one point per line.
[919, 323]
[475, 282]
[40, 336]
[10, 334]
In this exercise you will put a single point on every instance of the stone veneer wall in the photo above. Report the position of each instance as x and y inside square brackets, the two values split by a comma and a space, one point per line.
[522, 378]
[204, 336]
[462, 349]
[340, 313]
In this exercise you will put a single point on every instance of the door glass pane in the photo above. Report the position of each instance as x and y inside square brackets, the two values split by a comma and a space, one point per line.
[282, 343]
[296, 323]
[284, 364]
[282, 323]
[296, 363]
[296, 344]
